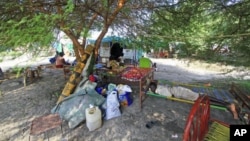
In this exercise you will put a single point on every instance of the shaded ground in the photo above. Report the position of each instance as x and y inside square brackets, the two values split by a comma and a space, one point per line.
[20, 105]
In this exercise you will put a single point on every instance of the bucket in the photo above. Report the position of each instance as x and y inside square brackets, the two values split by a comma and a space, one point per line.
[93, 118]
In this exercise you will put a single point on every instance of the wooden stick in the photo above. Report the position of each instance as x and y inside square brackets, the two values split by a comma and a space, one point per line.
[183, 100]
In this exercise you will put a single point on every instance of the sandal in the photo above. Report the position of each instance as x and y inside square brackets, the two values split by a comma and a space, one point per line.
[150, 124]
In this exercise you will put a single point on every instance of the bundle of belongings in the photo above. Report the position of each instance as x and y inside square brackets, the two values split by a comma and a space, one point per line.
[73, 107]
[95, 91]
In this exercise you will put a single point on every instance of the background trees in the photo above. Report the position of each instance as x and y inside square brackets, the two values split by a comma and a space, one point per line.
[26, 22]
[206, 26]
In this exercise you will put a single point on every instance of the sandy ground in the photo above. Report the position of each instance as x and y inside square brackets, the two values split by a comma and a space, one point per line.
[20, 105]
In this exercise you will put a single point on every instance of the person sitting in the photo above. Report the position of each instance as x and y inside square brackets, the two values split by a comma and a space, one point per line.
[115, 58]
[60, 61]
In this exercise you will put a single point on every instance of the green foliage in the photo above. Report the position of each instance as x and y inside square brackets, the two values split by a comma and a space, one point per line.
[30, 29]
[105, 3]
[70, 6]
[243, 84]
[90, 68]
[31, 24]
[85, 32]
[12, 54]
[151, 24]
[18, 71]
[57, 94]
[201, 25]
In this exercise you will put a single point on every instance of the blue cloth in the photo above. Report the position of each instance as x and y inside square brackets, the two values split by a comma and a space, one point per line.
[52, 60]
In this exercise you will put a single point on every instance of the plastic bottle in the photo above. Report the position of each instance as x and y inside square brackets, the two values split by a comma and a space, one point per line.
[93, 118]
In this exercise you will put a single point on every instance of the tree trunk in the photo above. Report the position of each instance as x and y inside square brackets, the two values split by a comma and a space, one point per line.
[99, 41]
[100, 37]
[78, 48]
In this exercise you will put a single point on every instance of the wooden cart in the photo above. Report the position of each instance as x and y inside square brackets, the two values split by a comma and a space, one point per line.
[138, 86]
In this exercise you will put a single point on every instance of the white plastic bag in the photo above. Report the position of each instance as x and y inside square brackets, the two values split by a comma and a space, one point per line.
[122, 89]
[163, 90]
[113, 104]
[184, 93]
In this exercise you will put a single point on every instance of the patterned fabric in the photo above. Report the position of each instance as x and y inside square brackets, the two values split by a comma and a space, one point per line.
[114, 64]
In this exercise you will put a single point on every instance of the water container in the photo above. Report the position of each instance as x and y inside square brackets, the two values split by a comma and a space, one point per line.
[93, 118]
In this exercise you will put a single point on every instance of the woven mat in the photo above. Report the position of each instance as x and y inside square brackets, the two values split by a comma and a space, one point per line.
[218, 132]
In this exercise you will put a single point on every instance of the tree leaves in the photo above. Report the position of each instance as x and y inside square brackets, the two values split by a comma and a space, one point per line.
[202, 24]
[148, 24]
[27, 30]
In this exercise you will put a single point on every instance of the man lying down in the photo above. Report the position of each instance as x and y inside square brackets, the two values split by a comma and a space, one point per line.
[187, 94]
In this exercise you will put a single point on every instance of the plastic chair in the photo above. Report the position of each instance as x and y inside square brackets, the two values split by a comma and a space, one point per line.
[199, 126]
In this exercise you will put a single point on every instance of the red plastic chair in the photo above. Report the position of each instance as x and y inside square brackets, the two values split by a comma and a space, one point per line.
[198, 122]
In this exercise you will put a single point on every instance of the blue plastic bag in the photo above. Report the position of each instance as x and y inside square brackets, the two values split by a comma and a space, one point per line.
[52, 60]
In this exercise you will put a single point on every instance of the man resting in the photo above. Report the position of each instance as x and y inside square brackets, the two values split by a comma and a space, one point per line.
[187, 94]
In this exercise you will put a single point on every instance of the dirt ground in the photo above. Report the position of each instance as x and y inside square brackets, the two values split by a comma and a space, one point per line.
[19, 105]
